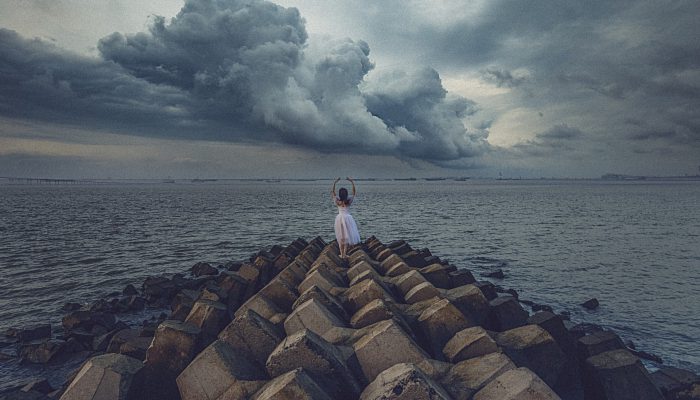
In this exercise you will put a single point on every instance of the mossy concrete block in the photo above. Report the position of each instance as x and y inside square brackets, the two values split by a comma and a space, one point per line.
[383, 345]
[404, 381]
[375, 311]
[217, 369]
[108, 376]
[469, 343]
[312, 315]
[517, 384]
[618, 375]
[293, 385]
[439, 323]
[309, 351]
[252, 335]
[532, 347]
[420, 292]
[467, 377]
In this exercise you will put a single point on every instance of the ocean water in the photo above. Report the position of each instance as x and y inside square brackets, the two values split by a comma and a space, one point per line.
[633, 245]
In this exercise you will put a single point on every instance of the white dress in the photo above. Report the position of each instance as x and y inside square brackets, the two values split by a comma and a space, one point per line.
[345, 227]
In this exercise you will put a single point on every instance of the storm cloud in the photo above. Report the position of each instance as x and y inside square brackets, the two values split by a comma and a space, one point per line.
[238, 70]
[593, 65]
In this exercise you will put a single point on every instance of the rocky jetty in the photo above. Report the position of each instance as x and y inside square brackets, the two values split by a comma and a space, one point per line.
[299, 322]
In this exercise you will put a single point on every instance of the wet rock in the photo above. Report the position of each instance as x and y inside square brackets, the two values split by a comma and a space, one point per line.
[541, 307]
[532, 347]
[590, 304]
[219, 369]
[182, 303]
[469, 343]
[647, 356]
[71, 306]
[82, 319]
[312, 315]
[517, 384]
[210, 317]
[383, 345]
[39, 385]
[109, 376]
[136, 347]
[100, 343]
[202, 268]
[554, 325]
[467, 377]
[130, 290]
[404, 381]
[296, 384]
[438, 324]
[120, 338]
[505, 313]
[375, 311]
[671, 381]
[130, 303]
[461, 277]
[618, 375]
[174, 346]
[598, 342]
[487, 288]
[28, 334]
[309, 351]
[693, 393]
[159, 289]
[497, 274]
[580, 330]
[42, 351]
[252, 335]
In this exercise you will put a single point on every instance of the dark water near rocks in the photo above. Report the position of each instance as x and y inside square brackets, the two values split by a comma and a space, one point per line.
[633, 245]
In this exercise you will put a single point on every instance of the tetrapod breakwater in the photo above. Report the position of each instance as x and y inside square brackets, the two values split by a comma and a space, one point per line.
[299, 322]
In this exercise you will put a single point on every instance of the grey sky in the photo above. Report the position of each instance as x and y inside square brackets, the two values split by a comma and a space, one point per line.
[409, 88]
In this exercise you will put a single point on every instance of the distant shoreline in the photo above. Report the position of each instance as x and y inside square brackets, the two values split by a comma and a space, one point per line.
[108, 181]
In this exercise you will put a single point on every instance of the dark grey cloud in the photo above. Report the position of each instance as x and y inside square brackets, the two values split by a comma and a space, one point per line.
[238, 70]
[639, 58]
[503, 78]
[562, 131]
[558, 140]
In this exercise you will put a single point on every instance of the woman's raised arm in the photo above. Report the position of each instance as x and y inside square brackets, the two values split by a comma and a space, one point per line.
[353, 185]
[333, 190]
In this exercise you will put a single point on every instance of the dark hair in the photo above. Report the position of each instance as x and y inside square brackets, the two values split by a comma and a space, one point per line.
[343, 196]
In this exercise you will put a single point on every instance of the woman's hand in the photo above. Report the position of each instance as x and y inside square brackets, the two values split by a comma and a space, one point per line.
[336, 181]
[348, 178]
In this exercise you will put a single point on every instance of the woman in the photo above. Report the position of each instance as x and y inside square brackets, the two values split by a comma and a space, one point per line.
[345, 228]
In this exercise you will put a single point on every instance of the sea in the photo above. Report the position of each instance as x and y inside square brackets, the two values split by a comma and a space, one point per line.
[633, 245]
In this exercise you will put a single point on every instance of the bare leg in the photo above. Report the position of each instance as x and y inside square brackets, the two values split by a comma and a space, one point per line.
[342, 249]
